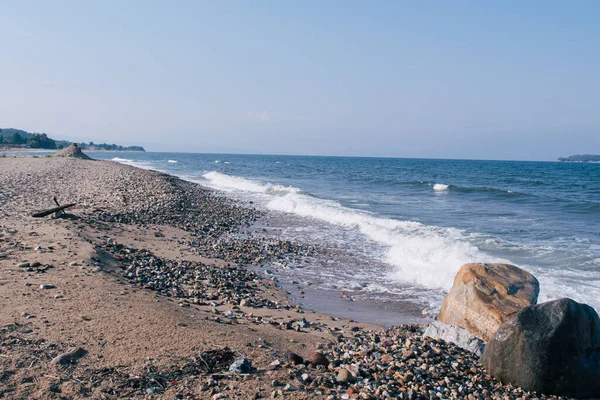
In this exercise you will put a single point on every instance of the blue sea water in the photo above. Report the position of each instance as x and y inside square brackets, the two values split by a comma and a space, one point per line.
[399, 229]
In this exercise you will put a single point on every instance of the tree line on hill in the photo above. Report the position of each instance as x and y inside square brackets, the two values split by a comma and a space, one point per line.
[18, 138]
[581, 158]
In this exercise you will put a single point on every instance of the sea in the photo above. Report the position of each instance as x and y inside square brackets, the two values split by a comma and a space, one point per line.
[397, 230]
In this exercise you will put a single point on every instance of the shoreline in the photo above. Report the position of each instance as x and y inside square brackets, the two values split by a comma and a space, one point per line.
[144, 276]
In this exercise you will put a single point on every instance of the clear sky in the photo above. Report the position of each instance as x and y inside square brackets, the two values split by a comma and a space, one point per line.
[447, 79]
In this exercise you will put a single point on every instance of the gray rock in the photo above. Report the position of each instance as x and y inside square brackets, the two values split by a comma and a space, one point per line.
[294, 358]
[46, 286]
[241, 365]
[154, 390]
[551, 348]
[455, 334]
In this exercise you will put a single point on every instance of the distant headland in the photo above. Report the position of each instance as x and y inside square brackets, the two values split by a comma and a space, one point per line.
[11, 138]
[587, 158]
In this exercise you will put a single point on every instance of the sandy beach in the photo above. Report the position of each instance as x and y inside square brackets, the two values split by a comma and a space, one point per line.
[149, 287]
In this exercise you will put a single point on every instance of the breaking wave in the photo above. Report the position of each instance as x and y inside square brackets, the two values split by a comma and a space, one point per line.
[428, 256]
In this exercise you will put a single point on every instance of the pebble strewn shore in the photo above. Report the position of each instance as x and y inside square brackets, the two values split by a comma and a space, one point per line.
[196, 282]
[351, 363]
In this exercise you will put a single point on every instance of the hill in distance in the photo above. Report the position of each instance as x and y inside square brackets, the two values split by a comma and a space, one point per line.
[591, 158]
[11, 137]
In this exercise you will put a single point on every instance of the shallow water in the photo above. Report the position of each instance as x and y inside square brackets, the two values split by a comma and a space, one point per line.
[397, 230]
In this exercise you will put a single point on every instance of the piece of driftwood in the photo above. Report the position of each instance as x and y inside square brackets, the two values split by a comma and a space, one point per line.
[52, 210]
[61, 212]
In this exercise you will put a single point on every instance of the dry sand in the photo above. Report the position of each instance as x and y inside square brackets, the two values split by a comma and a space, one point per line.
[93, 308]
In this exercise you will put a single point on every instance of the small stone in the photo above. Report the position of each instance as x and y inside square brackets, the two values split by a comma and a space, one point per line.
[46, 286]
[387, 358]
[23, 265]
[241, 365]
[294, 358]
[289, 388]
[154, 390]
[317, 358]
[344, 376]
[273, 365]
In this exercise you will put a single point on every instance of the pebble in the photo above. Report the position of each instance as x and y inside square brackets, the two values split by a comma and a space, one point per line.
[344, 376]
[154, 390]
[47, 286]
[241, 365]
[317, 358]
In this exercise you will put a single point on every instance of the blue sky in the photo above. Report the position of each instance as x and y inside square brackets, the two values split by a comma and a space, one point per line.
[460, 79]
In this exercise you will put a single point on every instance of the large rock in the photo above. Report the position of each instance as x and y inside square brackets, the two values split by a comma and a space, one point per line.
[483, 296]
[455, 334]
[74, 151]
[551, 348]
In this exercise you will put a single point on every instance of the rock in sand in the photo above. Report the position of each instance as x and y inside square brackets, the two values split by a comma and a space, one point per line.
[551, 348]
[455, 334]
[483, 296]
[73, 151]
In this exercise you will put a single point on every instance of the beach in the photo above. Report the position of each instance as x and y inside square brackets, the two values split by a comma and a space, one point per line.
[156, 285]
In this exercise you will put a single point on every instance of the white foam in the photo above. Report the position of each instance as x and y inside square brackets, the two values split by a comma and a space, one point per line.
[441, 187]
[424, 255]
[133, 163]
[230, 183]
[226, 162]
[172, 161]
[428, 256]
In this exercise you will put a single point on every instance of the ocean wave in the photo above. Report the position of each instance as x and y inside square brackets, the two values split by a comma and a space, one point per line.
[228, 182]
[121, 160]
[441, 187]
[172, 161]
[134, 163]
[425, 256]
[428, 256]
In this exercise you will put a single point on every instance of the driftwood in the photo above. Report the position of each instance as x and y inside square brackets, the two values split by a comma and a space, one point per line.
[52, 210]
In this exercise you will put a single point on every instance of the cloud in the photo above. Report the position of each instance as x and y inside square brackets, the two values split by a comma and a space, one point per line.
[258, 116]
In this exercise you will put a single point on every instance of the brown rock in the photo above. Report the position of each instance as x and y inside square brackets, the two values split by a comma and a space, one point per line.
[317, 358]
[344, 376]
[483, 296]
[387, 358]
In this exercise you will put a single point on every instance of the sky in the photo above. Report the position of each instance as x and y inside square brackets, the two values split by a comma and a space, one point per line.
[433, 79]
